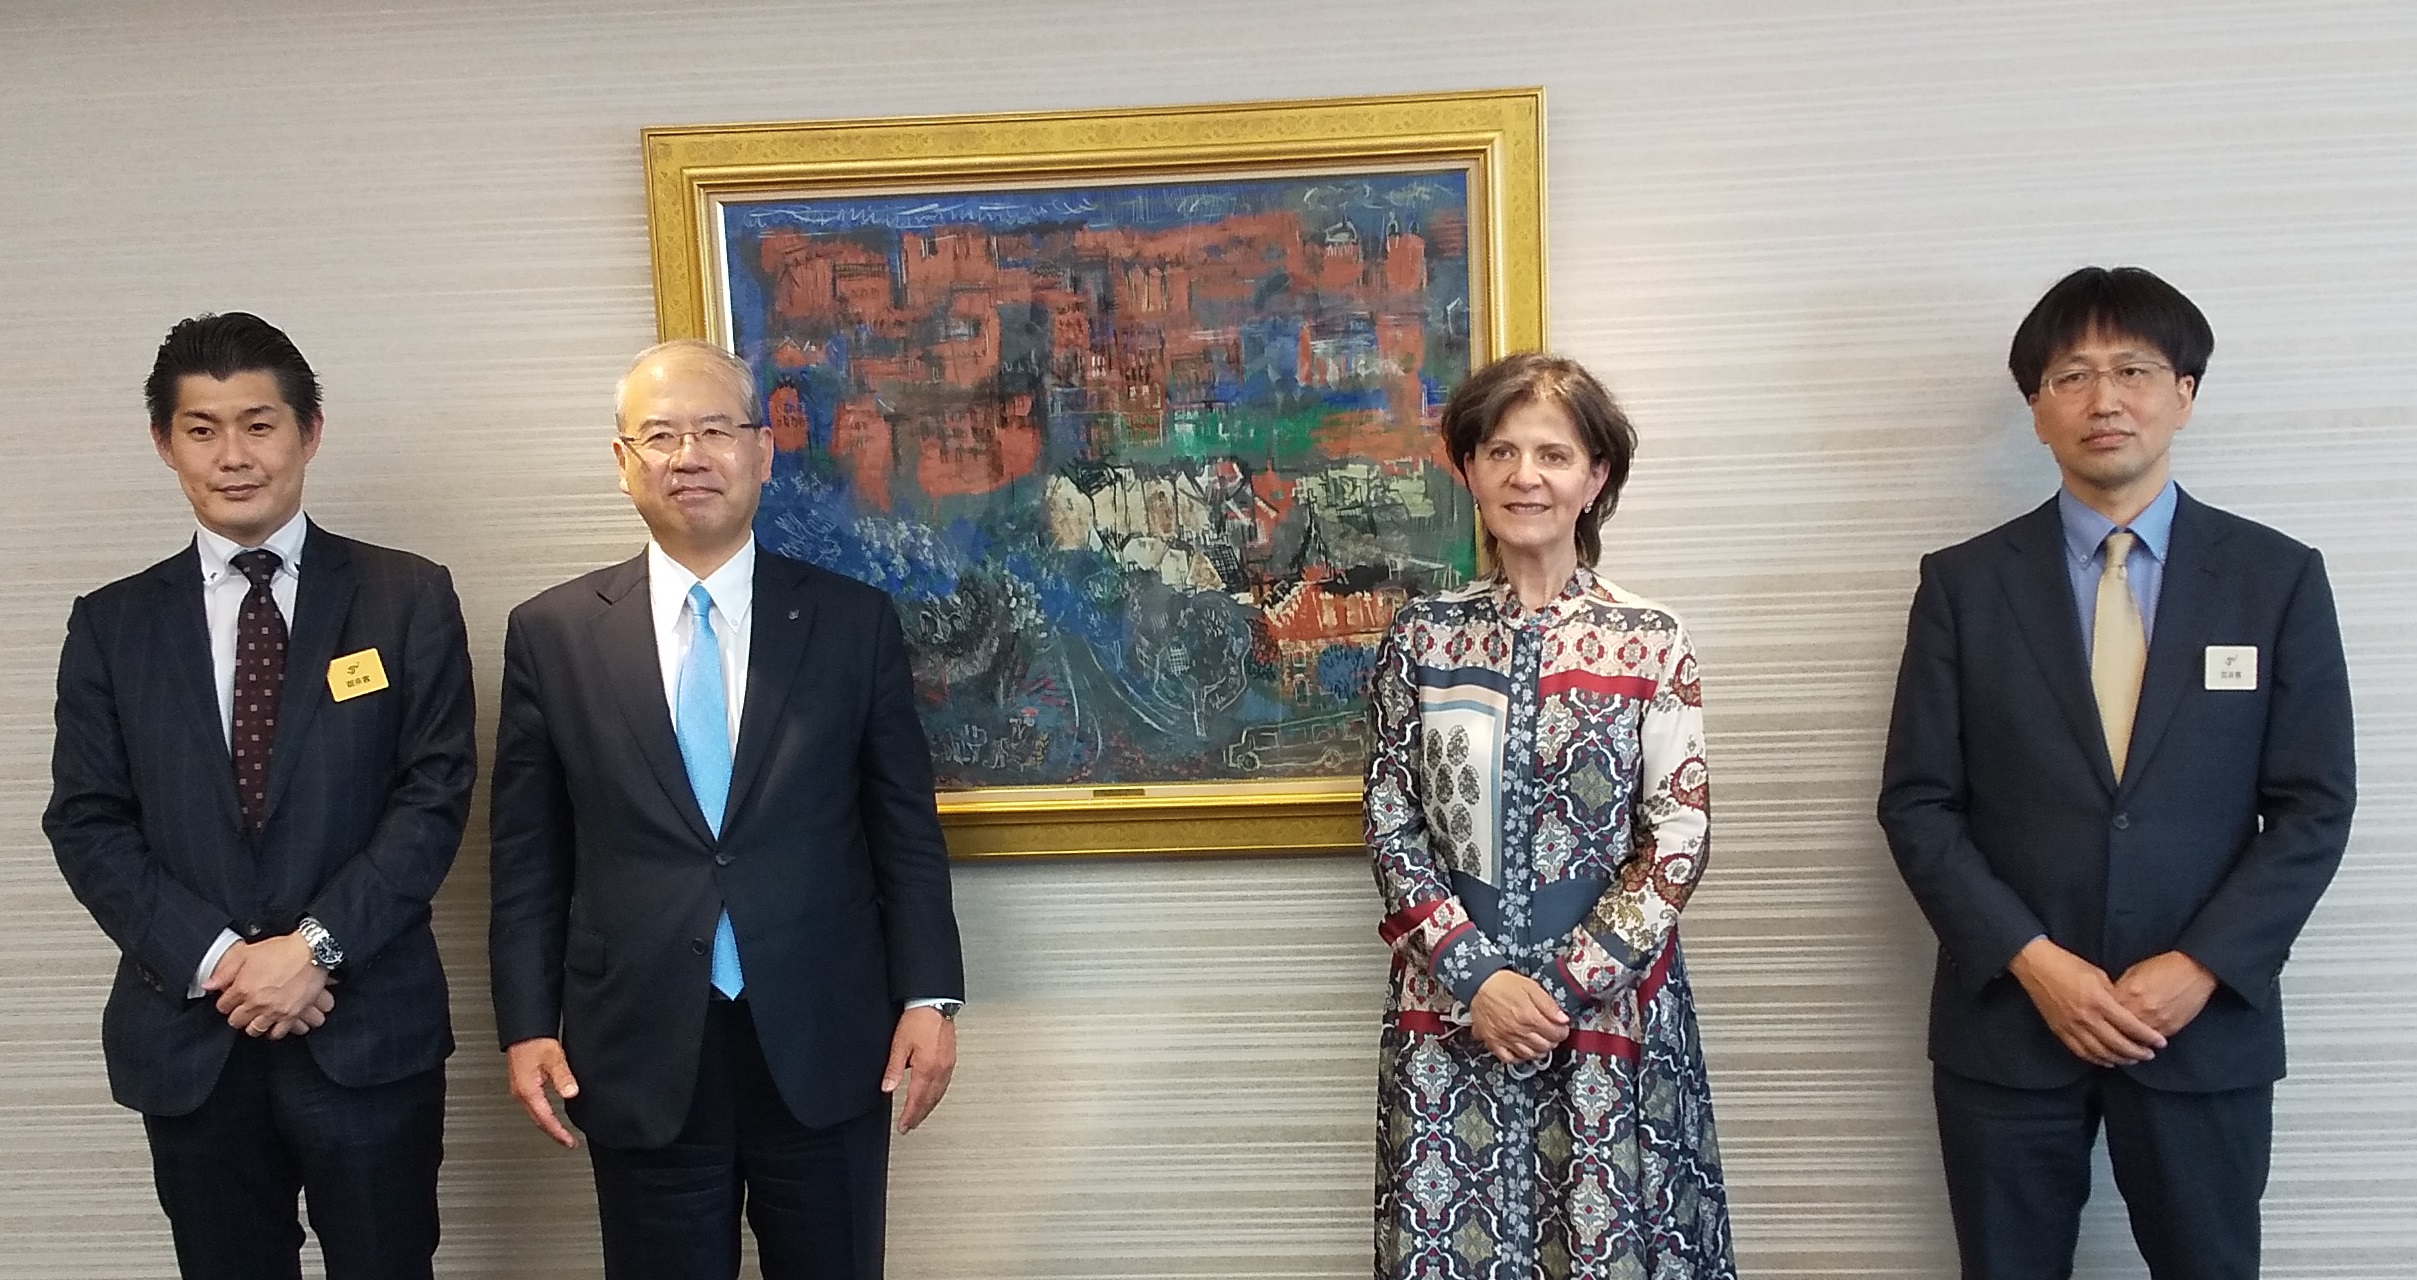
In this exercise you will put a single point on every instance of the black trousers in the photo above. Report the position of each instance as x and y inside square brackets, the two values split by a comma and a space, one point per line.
[2191, 1167]
[275, 1125]
[815, 1197]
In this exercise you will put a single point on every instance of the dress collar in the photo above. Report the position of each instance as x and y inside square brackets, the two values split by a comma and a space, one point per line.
[1512, 609]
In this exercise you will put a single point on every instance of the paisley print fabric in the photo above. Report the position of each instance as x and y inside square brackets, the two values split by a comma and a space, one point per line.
[1537, 800]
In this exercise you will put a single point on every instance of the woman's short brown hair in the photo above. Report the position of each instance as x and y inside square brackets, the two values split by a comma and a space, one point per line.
[1477, 407]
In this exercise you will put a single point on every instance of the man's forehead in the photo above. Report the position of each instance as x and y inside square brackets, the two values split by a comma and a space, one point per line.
[705, 388]
[2109, 343]
[243, 394]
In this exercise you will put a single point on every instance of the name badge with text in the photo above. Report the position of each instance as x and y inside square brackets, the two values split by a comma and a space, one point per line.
[357, 673]
[2232, 666]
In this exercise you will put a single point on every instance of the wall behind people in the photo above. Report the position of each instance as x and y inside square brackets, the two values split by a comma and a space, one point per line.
[1795, 238]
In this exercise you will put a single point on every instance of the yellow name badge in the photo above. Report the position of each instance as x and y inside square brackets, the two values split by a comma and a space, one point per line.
[355, 674]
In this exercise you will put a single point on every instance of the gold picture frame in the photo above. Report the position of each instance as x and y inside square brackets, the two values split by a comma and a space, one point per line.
[698, 175]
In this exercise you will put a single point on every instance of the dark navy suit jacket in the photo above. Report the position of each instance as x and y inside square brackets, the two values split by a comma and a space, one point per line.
[367, 798]
[2003, 812]
[607, 882]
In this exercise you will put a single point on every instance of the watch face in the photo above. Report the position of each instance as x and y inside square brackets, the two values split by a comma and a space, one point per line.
[948, 1008]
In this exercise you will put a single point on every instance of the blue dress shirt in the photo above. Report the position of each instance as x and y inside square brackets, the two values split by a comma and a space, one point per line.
[2085, 536]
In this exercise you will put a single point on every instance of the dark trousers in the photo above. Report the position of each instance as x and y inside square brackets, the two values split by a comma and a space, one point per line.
[2191, 1167]
[815, 1197]
[275, 1126]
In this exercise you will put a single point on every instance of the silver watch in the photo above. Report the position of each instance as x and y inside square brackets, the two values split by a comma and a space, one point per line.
[947, 1008]
[324, 951]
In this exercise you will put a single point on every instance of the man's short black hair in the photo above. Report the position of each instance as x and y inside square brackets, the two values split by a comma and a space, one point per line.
[2129, 301]
[221, 346]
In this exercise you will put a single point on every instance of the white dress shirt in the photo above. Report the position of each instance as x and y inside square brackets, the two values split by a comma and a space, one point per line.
[223, 588]
[732, 588]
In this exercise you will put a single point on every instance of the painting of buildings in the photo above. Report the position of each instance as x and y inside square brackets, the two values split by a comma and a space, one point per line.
[1146, 467]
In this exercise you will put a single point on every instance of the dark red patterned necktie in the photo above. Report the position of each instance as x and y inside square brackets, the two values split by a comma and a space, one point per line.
[259, 679]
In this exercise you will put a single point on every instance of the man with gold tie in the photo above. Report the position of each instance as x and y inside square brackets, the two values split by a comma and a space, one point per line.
[2119, 776]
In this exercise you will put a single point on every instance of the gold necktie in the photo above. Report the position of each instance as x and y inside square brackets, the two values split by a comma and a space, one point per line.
[2118, 649]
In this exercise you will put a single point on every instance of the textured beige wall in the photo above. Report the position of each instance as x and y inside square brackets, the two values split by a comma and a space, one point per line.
[1794, 236]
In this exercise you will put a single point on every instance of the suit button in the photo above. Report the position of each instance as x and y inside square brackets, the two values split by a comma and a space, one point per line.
[721, 859]
[249, 929]
[2123, 822]
[697, 945]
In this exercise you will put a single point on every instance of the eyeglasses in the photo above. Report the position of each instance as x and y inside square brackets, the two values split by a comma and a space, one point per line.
[663, 444]
[2128, 379]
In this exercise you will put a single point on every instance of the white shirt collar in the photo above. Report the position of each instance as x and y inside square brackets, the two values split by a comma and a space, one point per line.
[287, 542]
[732, 586]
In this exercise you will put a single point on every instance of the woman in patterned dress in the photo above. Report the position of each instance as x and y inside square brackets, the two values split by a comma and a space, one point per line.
[1537, 812]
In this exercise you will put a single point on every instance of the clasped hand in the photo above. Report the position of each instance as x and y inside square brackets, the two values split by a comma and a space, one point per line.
[2112, 1022]
[1515, 1018]
[271, 988]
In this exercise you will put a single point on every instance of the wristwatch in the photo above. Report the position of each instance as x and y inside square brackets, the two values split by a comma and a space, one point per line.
[947, 1008]
[324, 951]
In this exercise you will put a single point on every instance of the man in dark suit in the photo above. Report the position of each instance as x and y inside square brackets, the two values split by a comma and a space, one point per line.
[258, 815]
[720, 893]
[2119, 776]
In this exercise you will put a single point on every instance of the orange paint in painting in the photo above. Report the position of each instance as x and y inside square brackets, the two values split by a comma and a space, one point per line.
[861, 441]
[1405, 263]
[976, 448]
[788, 420]
[1382, 435]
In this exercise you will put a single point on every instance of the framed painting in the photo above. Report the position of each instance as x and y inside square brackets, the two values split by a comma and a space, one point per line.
[1134, 413]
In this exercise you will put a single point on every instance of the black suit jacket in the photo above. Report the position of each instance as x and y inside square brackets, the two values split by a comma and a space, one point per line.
[608, 882]
[2002, 809]
[367, 798]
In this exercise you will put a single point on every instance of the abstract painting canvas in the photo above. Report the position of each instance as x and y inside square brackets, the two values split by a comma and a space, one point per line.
[1147, 459]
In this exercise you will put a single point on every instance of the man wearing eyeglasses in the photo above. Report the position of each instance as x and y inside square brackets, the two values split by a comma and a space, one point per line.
[2119, 775]
[721, 924]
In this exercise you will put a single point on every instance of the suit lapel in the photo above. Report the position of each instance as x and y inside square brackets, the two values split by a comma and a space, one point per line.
[776, 647]
[323, 591]
[2041, 591]
[624, 641]
[2190, 585]
[183, 645]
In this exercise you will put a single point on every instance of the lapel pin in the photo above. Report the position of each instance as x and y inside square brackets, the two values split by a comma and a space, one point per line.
[793, 615]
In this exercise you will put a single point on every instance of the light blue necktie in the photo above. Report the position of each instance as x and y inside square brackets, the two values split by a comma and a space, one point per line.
[703, 727]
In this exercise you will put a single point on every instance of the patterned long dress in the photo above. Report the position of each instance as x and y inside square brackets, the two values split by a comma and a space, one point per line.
[1537, 801]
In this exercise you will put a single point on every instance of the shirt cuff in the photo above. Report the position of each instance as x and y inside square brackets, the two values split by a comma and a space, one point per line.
[209, 963]
[933, 1002]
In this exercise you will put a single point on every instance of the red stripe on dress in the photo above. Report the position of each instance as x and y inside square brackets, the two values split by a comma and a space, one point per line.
[1637, 687]
[1651, 984]
[1648, 986]
[1408, 918]
[1423, 1023]
[1602, 1044]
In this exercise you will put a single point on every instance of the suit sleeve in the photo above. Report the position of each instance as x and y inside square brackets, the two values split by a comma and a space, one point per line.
[2307, 787]
[902, 829]
[95, 824]
[1979, 919]
[1670, 841]
[386, 887]
[1425, 922]
[530, 835]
